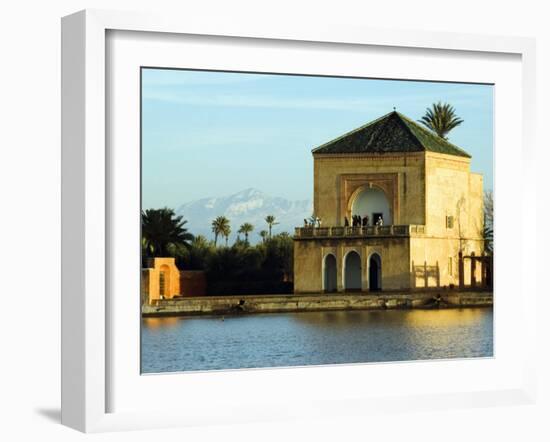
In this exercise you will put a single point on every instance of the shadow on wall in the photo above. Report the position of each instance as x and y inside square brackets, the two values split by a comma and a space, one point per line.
[474, 272]
[425, 275]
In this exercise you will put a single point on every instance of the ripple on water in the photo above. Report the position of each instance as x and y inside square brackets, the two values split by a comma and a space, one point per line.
[314, 338]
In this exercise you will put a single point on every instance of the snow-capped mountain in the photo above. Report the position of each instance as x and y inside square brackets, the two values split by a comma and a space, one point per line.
[249, 205]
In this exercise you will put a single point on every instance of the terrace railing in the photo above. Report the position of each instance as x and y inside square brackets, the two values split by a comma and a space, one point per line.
[359, 231]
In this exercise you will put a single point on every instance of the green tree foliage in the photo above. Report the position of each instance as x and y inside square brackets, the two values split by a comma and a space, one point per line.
[246, 229]
[270, 220]
[163, 233]
[226, 233]
[264, 234]
[220, 226]
[441, 119]
[279, 255]
[243, 269]
[197, 256]
[239, 269]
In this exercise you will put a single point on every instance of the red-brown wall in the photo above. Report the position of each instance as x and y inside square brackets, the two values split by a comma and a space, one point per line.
[193, 283]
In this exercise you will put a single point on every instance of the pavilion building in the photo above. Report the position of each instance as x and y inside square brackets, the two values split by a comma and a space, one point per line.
[423, 205]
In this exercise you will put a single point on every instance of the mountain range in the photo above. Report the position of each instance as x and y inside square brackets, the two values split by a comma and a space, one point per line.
[249, 205]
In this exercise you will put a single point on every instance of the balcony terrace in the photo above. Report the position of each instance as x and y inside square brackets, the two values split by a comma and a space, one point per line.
[359, 231]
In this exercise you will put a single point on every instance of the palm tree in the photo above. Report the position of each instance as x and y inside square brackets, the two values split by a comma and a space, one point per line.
[226, 233]
[441, 119]
[199, 241]
[264, 234]
[270, 220]
[162, 231]
[220, 226]
[245, 229]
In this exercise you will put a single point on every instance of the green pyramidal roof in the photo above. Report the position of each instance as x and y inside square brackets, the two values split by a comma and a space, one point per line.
[391, 133]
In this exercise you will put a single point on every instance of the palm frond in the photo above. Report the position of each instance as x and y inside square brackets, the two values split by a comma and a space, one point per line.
[441, 119]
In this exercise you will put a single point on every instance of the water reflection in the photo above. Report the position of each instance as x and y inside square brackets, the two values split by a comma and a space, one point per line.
[314, 338]
[415, 318]
[160, 323]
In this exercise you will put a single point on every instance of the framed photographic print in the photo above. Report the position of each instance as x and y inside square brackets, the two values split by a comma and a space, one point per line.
[251, 213]
[390, 217]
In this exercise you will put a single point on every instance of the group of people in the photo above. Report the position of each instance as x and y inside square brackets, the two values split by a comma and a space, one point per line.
[314, 222]
[358, 221]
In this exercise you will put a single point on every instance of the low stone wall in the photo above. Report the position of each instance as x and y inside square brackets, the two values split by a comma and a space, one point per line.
[226, 305]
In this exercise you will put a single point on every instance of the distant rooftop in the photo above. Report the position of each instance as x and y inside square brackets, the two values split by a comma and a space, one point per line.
[393, 132]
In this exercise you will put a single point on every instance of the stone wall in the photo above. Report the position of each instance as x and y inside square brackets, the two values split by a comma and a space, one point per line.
[165, 270]
[309, 255]
[451, 190]
[435, 190]
[227, 305]
[435, 261]
[401, 175]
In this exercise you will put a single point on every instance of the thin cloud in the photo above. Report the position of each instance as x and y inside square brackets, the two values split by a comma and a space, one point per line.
[284, 102]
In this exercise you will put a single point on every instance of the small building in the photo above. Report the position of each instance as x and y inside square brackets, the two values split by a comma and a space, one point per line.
[420, 209]
[161, 279]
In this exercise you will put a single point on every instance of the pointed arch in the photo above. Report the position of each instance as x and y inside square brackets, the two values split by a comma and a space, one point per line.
[375, 272]
[329, 273]
[352, 271]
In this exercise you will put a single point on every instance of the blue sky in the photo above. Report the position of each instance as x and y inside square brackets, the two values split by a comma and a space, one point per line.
[216, 133]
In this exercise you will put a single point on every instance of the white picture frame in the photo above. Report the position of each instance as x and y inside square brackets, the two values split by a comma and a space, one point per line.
[85, 220]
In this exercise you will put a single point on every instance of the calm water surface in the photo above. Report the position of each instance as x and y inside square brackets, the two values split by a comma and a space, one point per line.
[289, 339]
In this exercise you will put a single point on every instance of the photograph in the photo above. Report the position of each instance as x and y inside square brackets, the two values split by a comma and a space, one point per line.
[306, 220]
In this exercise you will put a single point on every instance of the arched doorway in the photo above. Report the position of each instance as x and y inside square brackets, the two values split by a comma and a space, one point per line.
[329, 281]
[375, 272]
[372, 202]
[352, 272]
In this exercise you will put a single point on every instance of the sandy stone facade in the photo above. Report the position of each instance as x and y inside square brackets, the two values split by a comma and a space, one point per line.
[433, 215]
[161, 280]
